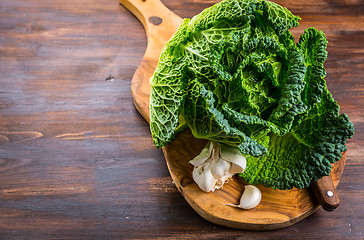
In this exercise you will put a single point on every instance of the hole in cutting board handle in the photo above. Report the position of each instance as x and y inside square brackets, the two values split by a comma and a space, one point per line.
[155, 20]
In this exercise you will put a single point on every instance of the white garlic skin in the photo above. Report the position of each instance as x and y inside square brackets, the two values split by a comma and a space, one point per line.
[250, 199]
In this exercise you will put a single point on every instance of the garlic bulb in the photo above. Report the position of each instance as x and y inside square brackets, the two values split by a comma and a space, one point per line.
[216, 164]
[250, 199]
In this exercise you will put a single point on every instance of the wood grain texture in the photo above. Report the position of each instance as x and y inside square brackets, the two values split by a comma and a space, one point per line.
[278, 209]
[79, 162]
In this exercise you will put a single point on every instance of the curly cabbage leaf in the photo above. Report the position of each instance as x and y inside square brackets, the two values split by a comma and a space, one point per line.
[234, 74]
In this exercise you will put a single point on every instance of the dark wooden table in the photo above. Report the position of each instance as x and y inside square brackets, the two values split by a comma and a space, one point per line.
[77, 160]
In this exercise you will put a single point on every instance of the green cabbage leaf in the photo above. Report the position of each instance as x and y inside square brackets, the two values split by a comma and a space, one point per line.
[234, 74]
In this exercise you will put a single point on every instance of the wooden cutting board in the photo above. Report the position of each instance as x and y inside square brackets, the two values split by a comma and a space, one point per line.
[278, 209]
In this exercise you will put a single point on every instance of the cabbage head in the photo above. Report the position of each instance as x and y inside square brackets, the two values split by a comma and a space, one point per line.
[234, 74]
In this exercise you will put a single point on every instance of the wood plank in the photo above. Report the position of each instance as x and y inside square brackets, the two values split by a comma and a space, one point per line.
[94, 173]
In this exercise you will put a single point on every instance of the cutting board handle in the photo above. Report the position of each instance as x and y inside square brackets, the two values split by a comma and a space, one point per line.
[160, 24]
[326, 194]
[156, 18]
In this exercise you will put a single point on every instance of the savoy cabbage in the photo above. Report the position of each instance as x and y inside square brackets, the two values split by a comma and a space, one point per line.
[234, 74]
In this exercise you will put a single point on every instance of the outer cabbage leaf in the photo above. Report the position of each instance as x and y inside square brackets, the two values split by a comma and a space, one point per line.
[305, 154]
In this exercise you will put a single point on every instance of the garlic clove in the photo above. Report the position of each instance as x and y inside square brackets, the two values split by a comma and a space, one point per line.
[250, 199]
[233, 155]
[204, 179]
[220, 168]
[235, 168]
[203, 156]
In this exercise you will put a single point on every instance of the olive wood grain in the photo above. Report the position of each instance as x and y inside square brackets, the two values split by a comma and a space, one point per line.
[278, 208]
